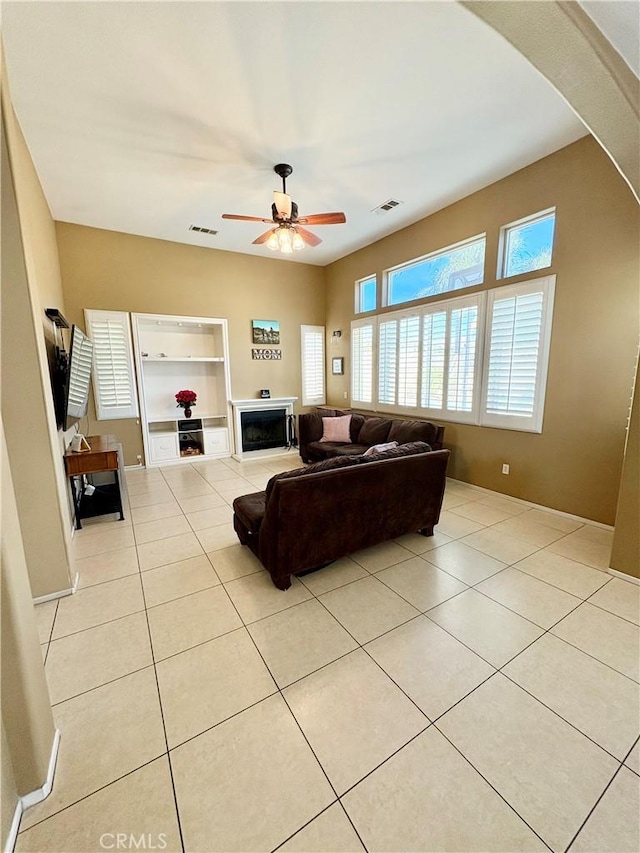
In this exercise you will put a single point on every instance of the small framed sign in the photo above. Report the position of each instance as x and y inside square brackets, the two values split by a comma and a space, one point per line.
[337, 366]
[266, 354]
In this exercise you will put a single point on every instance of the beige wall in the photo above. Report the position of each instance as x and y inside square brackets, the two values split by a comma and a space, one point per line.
[27, 720]
[575, 464]
[625, 554]
[31, 277]
[120, 272]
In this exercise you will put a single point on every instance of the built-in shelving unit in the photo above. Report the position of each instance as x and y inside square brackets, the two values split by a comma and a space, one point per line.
[174, 353]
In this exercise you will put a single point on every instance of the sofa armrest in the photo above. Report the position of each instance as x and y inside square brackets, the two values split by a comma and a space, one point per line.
[309, 429]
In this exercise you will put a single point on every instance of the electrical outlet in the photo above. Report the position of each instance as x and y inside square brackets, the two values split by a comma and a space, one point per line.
[505, 468]
[345, 396]
[139, 458]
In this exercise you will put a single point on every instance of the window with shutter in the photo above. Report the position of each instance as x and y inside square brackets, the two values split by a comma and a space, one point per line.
[362, 334]
[312, 346]
[434, 336]
[518, 338]
[114, 387]
[408, 360]
[463, 336]
[387, 361]
[453, 360]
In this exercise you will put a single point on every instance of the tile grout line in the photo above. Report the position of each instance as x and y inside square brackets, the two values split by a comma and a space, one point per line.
[371, 574]
[282, 696]
[162, 718]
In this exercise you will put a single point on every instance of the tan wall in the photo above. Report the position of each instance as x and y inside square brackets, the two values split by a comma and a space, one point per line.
[30, 273]
[114, 271]
[8, 792]
[575, 464]
[26, 708]
[625, 554]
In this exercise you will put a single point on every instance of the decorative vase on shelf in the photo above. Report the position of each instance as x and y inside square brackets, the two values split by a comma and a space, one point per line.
[185, 400]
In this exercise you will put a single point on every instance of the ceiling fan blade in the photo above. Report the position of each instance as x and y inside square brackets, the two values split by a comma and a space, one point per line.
[282, 203]
[264, 237]
[245, 218]
[309, 238]
[323, 219]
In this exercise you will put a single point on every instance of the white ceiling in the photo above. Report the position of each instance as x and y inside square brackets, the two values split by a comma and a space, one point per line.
[149, 117]
[619, 20]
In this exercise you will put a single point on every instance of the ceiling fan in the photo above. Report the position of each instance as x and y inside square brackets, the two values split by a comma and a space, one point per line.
[288, 235]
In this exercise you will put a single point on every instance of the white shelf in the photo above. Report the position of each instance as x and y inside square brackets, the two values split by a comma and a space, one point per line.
[194, 417]
[183, 352]
[182, 359]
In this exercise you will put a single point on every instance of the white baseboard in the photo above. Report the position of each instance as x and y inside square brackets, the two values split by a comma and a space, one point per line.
[534, 506]
[40, 794]
[33, 797]
[12, 836]
[624, 576]
[61, 594]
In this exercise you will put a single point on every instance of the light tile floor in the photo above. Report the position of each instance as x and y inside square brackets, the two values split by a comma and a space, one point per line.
[474, 691]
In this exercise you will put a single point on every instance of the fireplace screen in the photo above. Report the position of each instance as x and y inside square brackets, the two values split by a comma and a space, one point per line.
[265, 429]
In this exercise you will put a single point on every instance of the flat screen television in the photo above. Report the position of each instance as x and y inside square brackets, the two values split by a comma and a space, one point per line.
[72, 378]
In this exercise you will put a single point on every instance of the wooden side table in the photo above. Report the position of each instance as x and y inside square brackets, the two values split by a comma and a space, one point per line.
[102, 458]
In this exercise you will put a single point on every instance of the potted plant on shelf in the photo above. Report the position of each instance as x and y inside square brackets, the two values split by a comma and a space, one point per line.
[185, 400]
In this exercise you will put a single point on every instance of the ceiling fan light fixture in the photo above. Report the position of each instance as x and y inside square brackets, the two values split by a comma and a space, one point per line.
[272, 242]
[297, 242]
[285, 241]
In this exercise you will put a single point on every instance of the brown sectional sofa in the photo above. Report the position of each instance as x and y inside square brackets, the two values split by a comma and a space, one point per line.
[365, 431]
[312, 516]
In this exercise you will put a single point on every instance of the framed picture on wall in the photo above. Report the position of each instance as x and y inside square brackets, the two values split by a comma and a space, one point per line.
[337, 366]
[265, 332]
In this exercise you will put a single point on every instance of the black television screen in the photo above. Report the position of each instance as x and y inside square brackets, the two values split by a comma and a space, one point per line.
[78, 377]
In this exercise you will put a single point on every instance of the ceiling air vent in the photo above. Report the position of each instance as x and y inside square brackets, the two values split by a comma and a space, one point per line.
[386, 206]
[202, 230]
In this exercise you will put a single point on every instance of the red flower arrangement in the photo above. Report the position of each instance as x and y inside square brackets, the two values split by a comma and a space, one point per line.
[185, 399]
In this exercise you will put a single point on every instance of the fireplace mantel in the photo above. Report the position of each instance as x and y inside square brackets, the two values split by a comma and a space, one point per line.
[256, 405]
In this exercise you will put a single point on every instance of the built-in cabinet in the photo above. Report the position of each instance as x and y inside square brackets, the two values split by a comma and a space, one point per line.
[175, 353]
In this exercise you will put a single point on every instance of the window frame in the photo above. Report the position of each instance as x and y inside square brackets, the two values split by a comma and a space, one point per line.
[503, 240]
[307, 399]
[484, 301]
[533, 422]
[372, 321]
[103, 412]
[387, 274]
[435, 307]
[358, 294]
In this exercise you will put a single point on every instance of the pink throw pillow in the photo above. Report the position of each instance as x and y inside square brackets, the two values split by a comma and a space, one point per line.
[336, 429]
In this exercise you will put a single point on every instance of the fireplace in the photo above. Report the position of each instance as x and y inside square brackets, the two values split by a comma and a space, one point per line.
[264, 429]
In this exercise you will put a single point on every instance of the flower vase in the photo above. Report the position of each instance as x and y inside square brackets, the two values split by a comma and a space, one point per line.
[187, 412]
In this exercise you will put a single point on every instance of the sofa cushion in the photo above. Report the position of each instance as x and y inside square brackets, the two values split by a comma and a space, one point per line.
[324, 465]
[374, 431]
[336, 429]
[405, 431]
[355, 427]
[250, 510]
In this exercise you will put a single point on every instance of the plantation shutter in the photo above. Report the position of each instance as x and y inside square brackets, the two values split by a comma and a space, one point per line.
[362, 363]
[463, 333]
[518, 338]
[408, 360]
[312, 345]
[434, 336]
[114, 388]
[387, 361]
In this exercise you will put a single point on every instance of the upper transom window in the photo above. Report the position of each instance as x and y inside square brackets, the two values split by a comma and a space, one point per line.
[452, 268]
[527, 245]
[366, 294]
